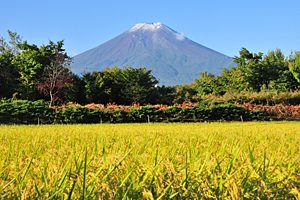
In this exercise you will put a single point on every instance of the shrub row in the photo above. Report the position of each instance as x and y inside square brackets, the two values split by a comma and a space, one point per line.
[25, 112]
[278, 111]
[34, 112]
[262, 98]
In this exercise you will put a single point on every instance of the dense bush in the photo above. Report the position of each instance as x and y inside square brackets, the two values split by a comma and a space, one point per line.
[34, 112]
[263, 98]
[277, 112]
[72, 115]
[25, 112]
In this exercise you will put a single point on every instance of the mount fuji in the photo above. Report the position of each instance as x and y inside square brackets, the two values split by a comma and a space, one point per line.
[172, 57]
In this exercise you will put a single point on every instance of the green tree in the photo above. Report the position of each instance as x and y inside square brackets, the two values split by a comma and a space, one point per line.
[33, 62]
[113, 83]
[56, 77]
[8, 75]
[279, 77]
[208, 84]
[120, 86]
[8, 71]
[30, 66]
[294, 65]
[252, 68]
[74, 91]
[12, 46]
[185, 93]
[262, 72]
[163, 95]
[139, 84]
[233, 80]
[94, 87]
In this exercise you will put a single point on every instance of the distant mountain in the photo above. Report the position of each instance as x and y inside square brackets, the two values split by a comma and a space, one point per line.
[173, 58]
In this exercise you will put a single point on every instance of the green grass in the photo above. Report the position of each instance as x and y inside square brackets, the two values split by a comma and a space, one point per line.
[151, 161]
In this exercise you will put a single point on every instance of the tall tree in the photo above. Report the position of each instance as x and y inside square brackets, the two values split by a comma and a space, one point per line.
[8, 75]
[294, 65]
[8, 71]
[12, 46]
[35, 62]
[56, 77]
[279, 76]
[185, 93]
[208, 84]
[30, 63]
[233, 80]
[139, 84]
[74, 91]
[94, 88]
[121, 86]
[253, 69]
[163, 95]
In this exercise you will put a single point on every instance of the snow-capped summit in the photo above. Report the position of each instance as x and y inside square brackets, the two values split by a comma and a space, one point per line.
[158, 26]
[172, 57]
[146, 26]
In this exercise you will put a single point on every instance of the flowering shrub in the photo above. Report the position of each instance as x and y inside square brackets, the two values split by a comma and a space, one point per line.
[33, 112]
[279, 111]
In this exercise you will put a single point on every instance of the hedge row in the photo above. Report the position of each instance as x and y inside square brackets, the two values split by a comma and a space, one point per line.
[34, 112]
[262, 98]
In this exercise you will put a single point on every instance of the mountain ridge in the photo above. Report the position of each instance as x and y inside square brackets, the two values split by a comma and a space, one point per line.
[172, 57]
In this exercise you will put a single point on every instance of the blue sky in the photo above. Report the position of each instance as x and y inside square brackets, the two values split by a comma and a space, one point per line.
[225, 26]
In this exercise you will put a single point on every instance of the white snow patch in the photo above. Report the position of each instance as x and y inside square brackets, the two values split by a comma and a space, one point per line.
[146, 26]
[179, 36]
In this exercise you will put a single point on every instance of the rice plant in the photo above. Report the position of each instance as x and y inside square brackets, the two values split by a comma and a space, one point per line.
[255, 160]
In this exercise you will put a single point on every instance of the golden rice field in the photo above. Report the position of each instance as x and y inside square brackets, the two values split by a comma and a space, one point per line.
[255, 160]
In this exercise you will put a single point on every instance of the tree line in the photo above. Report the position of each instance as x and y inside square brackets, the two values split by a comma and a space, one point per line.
[254, 72]
[32, 72]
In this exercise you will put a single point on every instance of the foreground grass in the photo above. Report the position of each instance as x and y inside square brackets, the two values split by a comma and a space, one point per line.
[151, 161]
